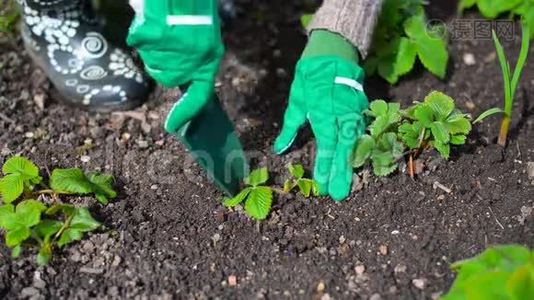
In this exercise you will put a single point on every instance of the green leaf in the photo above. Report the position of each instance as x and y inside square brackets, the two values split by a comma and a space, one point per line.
[386, 154]
[458, 123]
[443, 149]
[411, 134]
[520, 284]
[492, 8]
[259, 201]
[296, 170]
[231, 202]
[44, 255]
[305, 20]
[305, 187]
[16, 251]
[406, 56]
[364, 149]
[289, 184]
[488, 113]
[458, 139]
[71, 181]
[16, 236]
[102, 186]
[83, 221]
[66, 209]
[440, 132]
[431, 50]
[424, 115]
[22, 166]
[386, 116]
[28, 213]
[257, 177]
[442, 105]
[11, 187]
[68, 236]
[7, 216]
[47, 228]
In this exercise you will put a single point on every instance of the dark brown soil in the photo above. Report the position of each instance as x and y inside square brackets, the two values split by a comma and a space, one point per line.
[167, 235]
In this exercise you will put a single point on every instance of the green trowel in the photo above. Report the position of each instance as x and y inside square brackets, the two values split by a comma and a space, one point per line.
[213, 142]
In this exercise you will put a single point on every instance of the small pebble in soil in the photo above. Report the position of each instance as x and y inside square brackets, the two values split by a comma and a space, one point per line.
[419, 283]
[29, 292]
[469, 59]
[320, 287]
[530, 171]
[400, 268]
[359, 269]
[232, 280]
[375, 297]
[85, 159]
[383, 249]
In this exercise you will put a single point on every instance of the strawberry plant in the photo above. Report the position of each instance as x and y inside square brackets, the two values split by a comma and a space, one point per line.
[50, 223]
[501, 272]
[511, 83]
[402, 36]
[393, 133]
[258, 197]
[492, 9]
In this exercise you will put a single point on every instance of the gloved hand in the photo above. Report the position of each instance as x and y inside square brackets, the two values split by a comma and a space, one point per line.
[327, 91]
[180, 44]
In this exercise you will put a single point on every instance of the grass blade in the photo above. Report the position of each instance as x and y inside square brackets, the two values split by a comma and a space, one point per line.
[488, 113]
[505, 74]
[523, 54]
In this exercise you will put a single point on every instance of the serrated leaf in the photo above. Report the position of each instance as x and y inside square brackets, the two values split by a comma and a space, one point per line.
[520, 284]
[70, 181]
[296, 170]
[378, 108]
[383, 163]
[458, 139]
[46, 228]
[458, 123]
[257, 177]
[431, 50]
[68, 236]
[440, 132]
[259, 201]
[7, 216]
[386, 116]
[406, 56]
[102, 187]
[410, 134]
[11, 187]
[232, 202]
[16, 251]
[16, 236]
[83, 221]
[424, 115]
[442, 105]
[21, 165]
[443, 149]
[44, 255]
[305, 187]
[364, 149]
[28, 213]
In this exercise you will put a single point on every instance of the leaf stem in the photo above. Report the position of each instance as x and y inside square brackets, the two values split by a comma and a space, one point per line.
[503, 133]
[63, 228]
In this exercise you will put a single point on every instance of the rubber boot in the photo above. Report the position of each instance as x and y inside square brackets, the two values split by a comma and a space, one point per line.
[64, 38]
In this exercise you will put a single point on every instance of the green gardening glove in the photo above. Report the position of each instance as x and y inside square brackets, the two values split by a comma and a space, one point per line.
[327, 91]
[180, 44]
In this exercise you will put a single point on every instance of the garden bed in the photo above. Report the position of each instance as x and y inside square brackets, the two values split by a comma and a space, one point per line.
[168, 234]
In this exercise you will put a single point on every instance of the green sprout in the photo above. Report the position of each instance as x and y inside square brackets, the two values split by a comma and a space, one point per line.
[27, 222]
[510, 84]
[258, 197]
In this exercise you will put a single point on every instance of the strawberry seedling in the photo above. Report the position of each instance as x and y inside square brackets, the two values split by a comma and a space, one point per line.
[48, 226]
[258, 197]
[434, 123]
[510, 84]
[501, 272]
[401, 37]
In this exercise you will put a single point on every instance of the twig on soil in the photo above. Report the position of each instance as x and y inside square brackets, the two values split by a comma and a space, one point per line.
[442, 187]
[496, 220]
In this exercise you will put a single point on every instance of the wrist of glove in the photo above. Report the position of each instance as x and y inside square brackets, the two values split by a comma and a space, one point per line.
[328, 93]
